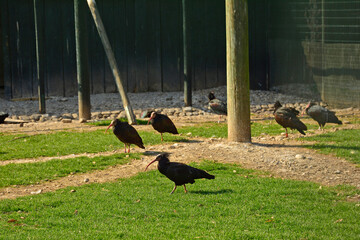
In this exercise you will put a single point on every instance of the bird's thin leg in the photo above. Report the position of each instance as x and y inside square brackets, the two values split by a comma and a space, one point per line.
[129, 148]
[286, 133]
[173, 190]
[185, 188]
[161, 137]
[125, 147]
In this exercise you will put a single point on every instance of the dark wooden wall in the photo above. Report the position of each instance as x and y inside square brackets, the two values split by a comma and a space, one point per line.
[314, 49]
[146, 36]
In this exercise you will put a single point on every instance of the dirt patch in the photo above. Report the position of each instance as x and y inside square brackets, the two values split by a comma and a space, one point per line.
[281, 157]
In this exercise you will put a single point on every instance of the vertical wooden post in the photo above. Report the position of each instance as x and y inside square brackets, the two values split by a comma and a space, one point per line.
[110, 55]
[82, 60]
[237, 57]
[39, 36]
[187, 54]
[4, 14]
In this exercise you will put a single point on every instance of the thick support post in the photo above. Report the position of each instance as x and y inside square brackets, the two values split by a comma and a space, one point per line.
[110, 55]
[237, 57]
[82, 60]
[39, 36]
[187, 54]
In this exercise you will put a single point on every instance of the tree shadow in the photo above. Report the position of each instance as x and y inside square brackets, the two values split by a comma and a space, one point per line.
[209, 192]
[184, 140]
[152, 153]
[277, 145]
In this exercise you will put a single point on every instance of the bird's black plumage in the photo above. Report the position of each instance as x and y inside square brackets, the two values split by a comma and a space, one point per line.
[126, 133]
[287, 118]
[162, 123]
[321, 115]
[3, 116]
[179, 173]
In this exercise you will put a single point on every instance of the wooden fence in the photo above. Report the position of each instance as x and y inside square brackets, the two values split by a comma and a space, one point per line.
[146, 36]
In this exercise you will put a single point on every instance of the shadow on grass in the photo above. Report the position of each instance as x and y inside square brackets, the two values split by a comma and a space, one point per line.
[277, 145]
[152, 153]
[203, 192]
[184, 140]
[326, 146]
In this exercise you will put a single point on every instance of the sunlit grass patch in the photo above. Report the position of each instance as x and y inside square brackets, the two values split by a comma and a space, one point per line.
[32, 173]
[237, 204]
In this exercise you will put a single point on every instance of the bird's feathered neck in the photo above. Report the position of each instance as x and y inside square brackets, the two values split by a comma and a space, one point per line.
[211, 96]
[277, 105]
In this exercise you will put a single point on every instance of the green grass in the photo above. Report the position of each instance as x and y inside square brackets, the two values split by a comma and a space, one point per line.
[219, 130]
[107, 122]
[32, 173]
[237, 204]
[343, 143]
[64, 143]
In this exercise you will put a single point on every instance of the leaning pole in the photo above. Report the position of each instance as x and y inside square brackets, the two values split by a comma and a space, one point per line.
[237, 60]
[110, 55]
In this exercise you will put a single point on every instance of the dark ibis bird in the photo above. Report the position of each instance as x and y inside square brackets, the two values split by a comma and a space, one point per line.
[320, 114]
[3, 116]
[179, 173]
[287, 118]
[162, 123]
[217, 106]
[126, 133]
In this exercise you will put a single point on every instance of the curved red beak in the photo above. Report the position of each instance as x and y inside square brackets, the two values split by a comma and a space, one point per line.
[109, 127]
[150, 163]
[151, 117]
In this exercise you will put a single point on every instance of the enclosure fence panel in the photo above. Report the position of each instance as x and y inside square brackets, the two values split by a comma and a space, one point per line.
[310, 48]
[314, 49]
[145, 35]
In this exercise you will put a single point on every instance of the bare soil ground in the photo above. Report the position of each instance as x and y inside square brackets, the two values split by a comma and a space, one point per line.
[280, 157]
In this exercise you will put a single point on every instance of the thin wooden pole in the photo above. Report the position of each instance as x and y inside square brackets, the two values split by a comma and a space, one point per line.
[4, 15]
[82, 60]
[39, 33]
[237, 57]
[187, 54]
[110, 55]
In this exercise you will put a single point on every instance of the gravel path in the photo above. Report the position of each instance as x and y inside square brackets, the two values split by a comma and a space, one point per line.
[109, 105]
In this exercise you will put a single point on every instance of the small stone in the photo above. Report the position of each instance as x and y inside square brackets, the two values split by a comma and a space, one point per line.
[35, 117]
[66, 120]
[189, 134]
[299, 156]
[337, 172]
[36, 192]
[174, 146]
[67, 116]
[72, 190]
[86, 180]
[187, 109]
